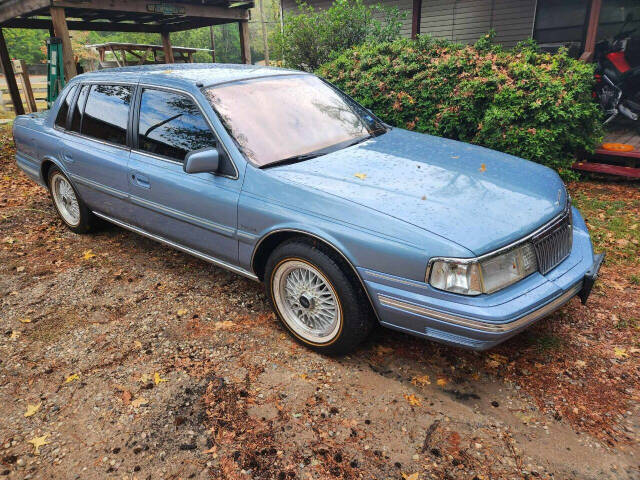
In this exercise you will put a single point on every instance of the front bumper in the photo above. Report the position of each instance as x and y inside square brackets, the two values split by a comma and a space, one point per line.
[484, 321]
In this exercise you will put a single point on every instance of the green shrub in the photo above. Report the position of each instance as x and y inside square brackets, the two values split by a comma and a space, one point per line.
[311, 37]
[533, 105]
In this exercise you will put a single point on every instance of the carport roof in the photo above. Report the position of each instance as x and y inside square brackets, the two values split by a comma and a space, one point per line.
[124, 15]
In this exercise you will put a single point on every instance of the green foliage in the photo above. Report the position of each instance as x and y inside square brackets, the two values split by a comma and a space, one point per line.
[533, 105]
[312, 37]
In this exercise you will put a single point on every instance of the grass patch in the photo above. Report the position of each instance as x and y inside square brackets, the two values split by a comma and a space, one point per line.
[614, 225]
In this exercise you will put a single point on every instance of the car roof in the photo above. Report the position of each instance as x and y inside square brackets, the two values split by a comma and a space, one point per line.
[198, 74]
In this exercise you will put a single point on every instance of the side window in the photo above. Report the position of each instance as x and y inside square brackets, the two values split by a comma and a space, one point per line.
[76, 118]
[63, 111]
[171, 125]
[106, 113]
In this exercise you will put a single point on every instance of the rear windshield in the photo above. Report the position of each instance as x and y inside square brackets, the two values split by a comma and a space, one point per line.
[277, 118]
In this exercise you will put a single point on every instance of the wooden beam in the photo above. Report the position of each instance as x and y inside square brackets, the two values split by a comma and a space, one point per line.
[592, 30]
[20, 69]
[18, 108]
[144, 6]
[245, 42]
[415, 18]
[59, 21]
[212, 37]
[166, 47]
[264, 34]
[41, 23]
[12, 8]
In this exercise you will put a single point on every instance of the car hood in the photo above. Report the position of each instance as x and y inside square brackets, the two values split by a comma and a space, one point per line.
[476, 197]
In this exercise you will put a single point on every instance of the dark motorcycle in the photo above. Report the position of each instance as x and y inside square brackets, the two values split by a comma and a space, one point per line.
[617, 83]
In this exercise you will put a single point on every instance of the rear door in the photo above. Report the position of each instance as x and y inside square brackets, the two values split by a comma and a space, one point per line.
[95, 148]
[199, 210]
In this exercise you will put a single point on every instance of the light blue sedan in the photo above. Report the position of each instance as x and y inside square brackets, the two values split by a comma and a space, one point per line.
[278, 176]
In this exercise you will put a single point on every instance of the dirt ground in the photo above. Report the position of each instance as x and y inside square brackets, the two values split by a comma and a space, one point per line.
[121, 358]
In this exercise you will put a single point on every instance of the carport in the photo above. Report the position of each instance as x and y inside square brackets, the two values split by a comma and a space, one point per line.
[60, 16]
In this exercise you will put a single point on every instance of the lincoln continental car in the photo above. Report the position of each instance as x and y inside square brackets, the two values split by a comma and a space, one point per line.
[280, 177]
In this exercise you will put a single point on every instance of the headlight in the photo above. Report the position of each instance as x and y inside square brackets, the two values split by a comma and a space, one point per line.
[484, 275]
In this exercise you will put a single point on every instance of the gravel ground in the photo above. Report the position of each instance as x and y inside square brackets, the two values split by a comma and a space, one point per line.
[121, 358]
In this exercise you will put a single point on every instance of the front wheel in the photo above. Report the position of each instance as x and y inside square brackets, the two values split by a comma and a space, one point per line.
[317, 297]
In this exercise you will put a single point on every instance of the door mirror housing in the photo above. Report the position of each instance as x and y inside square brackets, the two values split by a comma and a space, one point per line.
[201, 161]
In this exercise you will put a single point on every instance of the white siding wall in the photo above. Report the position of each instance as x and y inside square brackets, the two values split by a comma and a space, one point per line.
[461, 20]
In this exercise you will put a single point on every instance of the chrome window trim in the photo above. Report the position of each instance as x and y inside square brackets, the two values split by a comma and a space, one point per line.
[182, 248]
[178, 91]
[506, 248]
[479, 324]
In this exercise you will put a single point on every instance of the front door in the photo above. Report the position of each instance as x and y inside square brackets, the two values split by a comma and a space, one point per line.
[198, 211]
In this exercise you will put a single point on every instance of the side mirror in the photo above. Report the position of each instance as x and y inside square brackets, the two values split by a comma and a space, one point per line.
[204, 160]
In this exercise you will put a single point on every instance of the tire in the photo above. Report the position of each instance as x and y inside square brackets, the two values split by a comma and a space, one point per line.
[71, 209]
[317, 297]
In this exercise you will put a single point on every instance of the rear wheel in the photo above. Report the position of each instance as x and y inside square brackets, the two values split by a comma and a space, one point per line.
[70, 207]
[317, 297]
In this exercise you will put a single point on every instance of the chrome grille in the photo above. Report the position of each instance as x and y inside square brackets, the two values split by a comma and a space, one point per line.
[553, 244]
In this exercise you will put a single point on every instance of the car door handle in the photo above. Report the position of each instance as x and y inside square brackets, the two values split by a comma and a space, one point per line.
[140, 180]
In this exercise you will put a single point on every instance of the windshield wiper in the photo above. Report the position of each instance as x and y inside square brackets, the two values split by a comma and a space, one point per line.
[294, 159]
[317, 153]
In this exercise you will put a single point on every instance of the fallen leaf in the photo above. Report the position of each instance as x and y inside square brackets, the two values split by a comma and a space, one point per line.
[413, 400]
[25, 320]
[424, 197]
[225, 324]
[421, 380]
[146, 378]
[158, 379]
[125, 396]
[580, 363]
[483, 167]
[441, 382]
[72, 378]
[32, 409]
[181, 312]
[138, 344]
[620, 352]
[138, 402]
[382, 350]
[361, 176]
[19, 269]
[88, 254]
[412, 476]
[14, 334]
[38, 442]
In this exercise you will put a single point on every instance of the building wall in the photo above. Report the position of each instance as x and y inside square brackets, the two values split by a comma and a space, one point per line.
[461, 20]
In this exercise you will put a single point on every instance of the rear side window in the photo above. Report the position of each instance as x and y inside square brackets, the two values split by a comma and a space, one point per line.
[76, 118]
[63, 111]
[171, 125]
[106, 113]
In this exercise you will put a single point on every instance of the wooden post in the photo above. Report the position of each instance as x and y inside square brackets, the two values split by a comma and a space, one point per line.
[245, 43]
[264, 34]
[7, 67]
[592, 30]
[213, 44]
[166, 47]
[20, 68]
[59, 21]
[415, 18]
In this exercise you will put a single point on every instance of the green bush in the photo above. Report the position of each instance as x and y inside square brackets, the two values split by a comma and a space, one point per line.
[311, 37]
[533, 105]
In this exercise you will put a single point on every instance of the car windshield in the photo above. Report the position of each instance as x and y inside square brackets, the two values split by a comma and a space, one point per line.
[288, 118]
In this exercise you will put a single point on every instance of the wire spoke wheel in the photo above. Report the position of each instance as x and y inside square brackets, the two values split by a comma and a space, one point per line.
[65, 199]
[307, 301]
